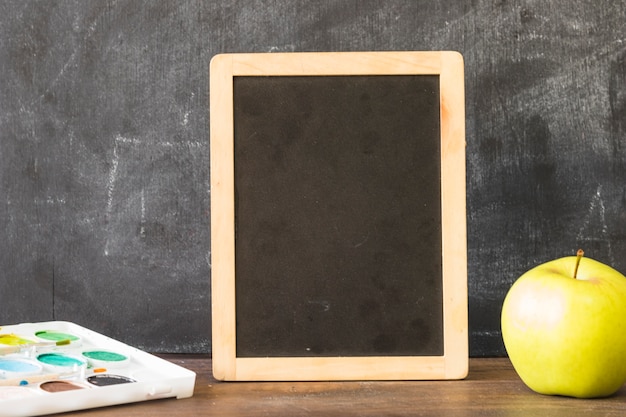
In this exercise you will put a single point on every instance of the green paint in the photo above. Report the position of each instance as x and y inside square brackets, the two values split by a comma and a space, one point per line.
[56, 336]
[13, 340]
[57, 359]
[101, 355]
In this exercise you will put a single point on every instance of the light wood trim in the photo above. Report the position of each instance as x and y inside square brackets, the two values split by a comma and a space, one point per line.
[338, 63]
[453, 195]
[449, 66]
[341, 368]
[222, 218]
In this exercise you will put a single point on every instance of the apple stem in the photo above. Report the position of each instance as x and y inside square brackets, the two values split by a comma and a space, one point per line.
[579, 256]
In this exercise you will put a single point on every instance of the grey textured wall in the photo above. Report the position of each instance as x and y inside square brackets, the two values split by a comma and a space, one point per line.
[104, 145]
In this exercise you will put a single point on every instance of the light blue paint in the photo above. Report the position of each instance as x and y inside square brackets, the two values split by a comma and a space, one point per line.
[9, 365]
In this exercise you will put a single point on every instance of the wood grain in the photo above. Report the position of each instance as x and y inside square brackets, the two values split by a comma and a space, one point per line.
[491, 389]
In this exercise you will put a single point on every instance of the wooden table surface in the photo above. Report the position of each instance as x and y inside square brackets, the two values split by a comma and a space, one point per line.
[491, 389]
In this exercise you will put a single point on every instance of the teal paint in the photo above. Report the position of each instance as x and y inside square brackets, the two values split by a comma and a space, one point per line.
[57, 359]
[105, 356]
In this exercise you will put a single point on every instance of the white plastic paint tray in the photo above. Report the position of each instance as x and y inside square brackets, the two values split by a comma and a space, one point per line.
[57, 366]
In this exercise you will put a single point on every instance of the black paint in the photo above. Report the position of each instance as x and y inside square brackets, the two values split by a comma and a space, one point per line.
[95, 88]
[105, 380]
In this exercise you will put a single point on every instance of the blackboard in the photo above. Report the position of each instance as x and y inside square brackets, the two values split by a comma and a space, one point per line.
[104, 144]
[336, 167]
[353, 184]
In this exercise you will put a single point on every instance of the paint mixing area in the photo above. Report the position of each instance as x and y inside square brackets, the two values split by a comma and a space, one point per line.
[55, 367]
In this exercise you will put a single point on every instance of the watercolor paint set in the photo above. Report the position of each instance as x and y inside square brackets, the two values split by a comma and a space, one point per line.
[57, 366]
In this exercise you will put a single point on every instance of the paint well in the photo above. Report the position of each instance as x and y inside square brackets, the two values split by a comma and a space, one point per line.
[17, 366]
[105, 356]
[13, 340]
[106, 359]
[59, 386]
[55, 336]
[104, 380]
[14, 393]
[60, 360]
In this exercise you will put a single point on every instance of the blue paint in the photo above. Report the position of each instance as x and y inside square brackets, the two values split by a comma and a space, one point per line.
[9, 365]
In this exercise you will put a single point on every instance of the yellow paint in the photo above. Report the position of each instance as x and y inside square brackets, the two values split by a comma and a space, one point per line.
[13, 340]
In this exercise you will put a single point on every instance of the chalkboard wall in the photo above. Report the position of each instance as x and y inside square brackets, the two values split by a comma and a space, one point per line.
[104, 145]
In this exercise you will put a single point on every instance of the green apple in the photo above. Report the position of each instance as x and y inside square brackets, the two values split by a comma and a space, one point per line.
[564, 328]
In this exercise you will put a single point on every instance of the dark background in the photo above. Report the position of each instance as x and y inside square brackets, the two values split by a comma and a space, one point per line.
[104, 145]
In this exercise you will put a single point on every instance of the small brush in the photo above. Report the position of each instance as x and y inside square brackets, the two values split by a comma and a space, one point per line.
[29, 380]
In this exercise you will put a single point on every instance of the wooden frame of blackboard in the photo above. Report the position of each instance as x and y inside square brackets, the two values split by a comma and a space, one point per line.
[228, 364]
